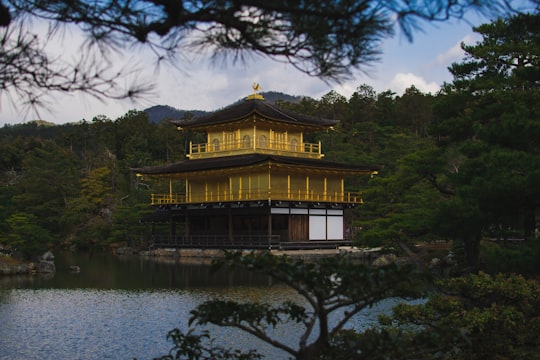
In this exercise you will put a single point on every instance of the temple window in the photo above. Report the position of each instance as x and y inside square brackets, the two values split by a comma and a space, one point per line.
[246, 142]
[263, 141]
[280, 139]
[229, 140]
[215, 145]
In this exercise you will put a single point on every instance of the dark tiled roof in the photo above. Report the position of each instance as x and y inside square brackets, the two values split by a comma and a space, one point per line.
[227, 162]
[249, 107]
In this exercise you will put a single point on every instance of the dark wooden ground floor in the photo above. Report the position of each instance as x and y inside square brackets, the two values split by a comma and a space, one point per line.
[249, 226]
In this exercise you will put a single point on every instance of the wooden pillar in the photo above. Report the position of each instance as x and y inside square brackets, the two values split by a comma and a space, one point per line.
[269, 224]
[288, 187]
[229, 215]
[240, 187]
[254, 137]
[307, 187]
[269, 183]
[230, 189]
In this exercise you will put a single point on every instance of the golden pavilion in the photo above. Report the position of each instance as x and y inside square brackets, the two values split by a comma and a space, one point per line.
[254, 183]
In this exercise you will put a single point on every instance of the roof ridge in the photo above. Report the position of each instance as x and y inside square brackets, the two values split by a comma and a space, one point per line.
[279, 110]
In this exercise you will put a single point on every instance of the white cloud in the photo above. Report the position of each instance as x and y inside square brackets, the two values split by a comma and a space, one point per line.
[455, 53]
[402, 81]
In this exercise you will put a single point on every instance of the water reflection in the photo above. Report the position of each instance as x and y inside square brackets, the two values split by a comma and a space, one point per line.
[118, 308]
[105, 271]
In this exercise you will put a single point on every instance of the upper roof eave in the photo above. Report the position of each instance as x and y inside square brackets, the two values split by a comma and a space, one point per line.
[246, 108]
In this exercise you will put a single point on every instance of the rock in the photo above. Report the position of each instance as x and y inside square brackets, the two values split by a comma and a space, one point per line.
[14, 269]
[450, 259]
[74, 269]
[47, 256]
[165, 252]
[384, 260]
[45, 266]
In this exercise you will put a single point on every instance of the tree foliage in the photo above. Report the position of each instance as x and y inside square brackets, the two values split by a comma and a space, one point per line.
[473, 317]
[469, 317]
[24, 235]
[74, 180]
[333, 290]
[490, 133]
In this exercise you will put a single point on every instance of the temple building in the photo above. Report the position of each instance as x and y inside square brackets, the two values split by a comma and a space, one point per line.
[254, 183]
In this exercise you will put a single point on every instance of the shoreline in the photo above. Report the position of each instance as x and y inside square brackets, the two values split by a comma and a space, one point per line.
[13, 266]
[361, 254]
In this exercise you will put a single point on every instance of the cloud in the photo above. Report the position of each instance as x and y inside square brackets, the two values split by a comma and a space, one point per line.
[402, 81]
[210, 87]
[455, 53]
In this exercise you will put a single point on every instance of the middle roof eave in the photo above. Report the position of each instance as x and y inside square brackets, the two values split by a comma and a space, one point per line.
[225, 162]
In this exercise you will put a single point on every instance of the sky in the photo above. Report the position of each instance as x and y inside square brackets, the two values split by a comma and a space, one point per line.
[199, 85]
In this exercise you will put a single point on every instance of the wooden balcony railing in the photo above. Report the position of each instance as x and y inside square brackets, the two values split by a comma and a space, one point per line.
[209, 197]
[205, 150]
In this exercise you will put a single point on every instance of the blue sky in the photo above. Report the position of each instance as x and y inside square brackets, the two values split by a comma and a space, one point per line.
[201, 86]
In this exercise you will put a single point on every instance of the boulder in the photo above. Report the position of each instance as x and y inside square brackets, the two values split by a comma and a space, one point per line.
[45, 267]
[47, 256]
[385, 260]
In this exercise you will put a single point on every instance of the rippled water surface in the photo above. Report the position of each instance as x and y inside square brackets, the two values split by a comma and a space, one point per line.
[89, 324]
[122, 308]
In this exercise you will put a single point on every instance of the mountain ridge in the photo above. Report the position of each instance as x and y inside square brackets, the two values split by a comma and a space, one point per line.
[158, 113]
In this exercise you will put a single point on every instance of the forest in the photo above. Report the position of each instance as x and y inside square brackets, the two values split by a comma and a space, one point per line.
[461, 165]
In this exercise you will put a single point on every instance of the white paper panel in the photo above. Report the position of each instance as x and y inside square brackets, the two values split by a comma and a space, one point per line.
[317, 228]
[335, 227]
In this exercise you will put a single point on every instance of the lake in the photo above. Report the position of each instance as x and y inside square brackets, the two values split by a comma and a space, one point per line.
[123, 307]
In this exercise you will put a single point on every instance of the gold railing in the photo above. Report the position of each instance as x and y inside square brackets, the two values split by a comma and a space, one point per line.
[209, 197]
[205, 150]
